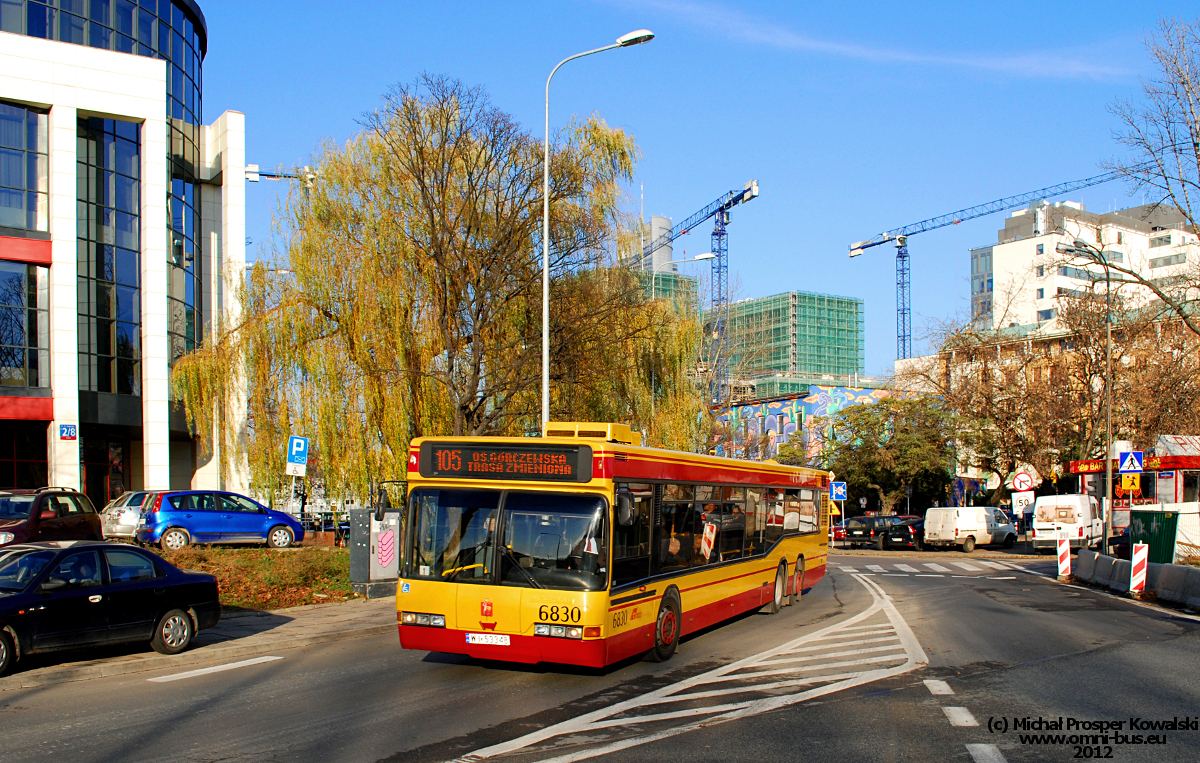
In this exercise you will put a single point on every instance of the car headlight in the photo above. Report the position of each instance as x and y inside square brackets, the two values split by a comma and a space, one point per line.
[6, 538]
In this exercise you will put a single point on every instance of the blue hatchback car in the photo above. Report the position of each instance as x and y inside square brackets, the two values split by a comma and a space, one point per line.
[179, 518]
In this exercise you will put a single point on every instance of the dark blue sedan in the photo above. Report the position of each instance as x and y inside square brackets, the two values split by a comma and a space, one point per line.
[179, 518]
[70, 594]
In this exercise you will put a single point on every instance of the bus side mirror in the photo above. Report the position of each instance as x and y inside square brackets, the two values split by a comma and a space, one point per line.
[626, 513]
[382, 504]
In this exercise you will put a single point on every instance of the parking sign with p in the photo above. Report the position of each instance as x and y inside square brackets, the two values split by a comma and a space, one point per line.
[297, 456]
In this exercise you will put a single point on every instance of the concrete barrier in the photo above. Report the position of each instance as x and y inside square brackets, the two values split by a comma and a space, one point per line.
[1192, 588]
[1172, 583]
[1103, 571]
[1085, 565]
[1153, 570]
[1120, 575]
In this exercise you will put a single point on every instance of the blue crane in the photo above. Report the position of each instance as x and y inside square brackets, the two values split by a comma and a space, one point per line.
[720, 270]
[900, 237]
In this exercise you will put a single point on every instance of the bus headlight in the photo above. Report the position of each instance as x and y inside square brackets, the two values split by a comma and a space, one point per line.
[408, 618]
[437, 621]
[574, 632]
[558, 630]
[422, 618]
[541, 630]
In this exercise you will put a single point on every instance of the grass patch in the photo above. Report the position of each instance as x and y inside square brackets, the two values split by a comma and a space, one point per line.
[263, 578]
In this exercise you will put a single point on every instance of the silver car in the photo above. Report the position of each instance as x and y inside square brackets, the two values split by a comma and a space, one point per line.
[120, 518]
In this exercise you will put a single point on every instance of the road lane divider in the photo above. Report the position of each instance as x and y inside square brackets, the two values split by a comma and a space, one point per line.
[985, 753]
[213, 669]
[938, 687]
[799, 670]
[960, 716]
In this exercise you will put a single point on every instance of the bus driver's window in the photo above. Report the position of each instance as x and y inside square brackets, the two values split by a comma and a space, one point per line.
[631, 545]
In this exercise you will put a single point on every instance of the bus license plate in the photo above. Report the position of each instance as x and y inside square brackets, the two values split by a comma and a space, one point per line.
[495, 639]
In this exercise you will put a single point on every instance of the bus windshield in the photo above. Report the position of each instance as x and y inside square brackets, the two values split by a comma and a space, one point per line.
[551, 540]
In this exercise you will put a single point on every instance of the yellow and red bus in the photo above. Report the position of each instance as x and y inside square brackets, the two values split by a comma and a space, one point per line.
[583, 547]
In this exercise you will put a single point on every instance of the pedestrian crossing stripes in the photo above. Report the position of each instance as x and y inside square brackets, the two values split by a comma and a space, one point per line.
[976, 567]
[872, 645]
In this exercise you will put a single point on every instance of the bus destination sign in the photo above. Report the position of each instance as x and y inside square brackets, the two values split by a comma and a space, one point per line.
[506, 461]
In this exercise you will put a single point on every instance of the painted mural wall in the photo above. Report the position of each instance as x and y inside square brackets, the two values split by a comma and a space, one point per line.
[779, 419]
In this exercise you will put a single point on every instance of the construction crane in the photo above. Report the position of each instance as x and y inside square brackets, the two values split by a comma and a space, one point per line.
[900, 237]
[720, 269]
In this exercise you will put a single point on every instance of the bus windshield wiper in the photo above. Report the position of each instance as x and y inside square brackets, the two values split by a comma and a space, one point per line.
[517, 563]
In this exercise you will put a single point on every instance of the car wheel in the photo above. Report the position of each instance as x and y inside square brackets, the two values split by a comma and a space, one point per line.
[8, 653]
[779, 594]
[174, 539]
[667, 627]
[279, 537]
[968, 545]
[1010, 540]
[881, 543]
[173, 633]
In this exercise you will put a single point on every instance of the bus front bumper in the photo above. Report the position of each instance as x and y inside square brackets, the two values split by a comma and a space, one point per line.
[525, 649]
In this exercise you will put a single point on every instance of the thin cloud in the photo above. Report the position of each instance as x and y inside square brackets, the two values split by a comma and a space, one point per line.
[736, 25]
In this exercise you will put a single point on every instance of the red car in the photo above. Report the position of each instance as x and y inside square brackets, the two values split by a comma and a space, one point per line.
[49, 513]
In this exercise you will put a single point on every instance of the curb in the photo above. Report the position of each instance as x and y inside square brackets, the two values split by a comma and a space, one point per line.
[199, 655]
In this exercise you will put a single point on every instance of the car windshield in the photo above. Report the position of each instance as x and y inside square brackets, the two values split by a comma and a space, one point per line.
[15, 506]
[18, 569]
[551, 540]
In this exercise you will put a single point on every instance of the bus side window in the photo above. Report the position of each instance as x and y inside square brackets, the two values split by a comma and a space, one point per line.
[733, 524]
[808, 511]
[673, 542]
[773, 522]
[756, 517]
[791, 510]
[631, 545]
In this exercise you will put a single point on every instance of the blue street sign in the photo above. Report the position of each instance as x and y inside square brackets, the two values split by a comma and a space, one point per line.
[297, 452]
[67, 432]
[837, 491]
[1130, 462]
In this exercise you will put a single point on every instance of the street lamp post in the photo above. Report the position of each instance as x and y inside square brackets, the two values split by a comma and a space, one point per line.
[653, 296]
[636, 37]
[1082, 248]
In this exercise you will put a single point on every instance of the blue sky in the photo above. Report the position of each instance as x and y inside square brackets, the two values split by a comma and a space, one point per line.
[853, 118]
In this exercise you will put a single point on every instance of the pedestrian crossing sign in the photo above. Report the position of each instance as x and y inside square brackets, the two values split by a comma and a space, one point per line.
[1131, 482]
[1130, 462]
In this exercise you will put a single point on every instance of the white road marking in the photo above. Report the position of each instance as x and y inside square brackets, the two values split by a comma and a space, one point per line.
[985, 753]
[906, 568]
[895, 574]
[960, 716]
[213, 669]
[1010, 577]
[936, 567]
[930, 575]
[993, 565]
[847, 569]
[937, 687]
[736, 690]
[967, 566]
[876, 568]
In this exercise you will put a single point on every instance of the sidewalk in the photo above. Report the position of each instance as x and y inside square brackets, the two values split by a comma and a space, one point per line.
[239, 634]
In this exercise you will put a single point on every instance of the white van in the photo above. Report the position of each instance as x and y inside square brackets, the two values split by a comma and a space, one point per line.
[968, 526]
[1074, 517]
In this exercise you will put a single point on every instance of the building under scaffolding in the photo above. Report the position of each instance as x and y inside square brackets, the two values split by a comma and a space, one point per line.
[786, 342]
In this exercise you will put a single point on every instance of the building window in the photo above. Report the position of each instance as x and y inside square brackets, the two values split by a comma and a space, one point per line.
[1162, 262]
[23, 462]
[24, 168]
[1045, 315]
[1041, 248]
[109, 249]
[1041, 293]
[1120, 237]
[1160, 241]
[24, 325]
[1041, 271]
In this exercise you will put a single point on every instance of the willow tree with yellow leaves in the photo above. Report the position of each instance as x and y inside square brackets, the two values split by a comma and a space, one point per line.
[405, 298]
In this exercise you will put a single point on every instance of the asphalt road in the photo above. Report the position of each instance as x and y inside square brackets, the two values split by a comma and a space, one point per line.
[834, 678]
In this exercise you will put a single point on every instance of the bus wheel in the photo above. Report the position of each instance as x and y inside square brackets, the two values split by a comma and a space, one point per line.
[778, 600]
[667, 628]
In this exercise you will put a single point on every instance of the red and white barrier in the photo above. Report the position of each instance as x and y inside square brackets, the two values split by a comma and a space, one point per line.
[1064, 558]
[1137, 570]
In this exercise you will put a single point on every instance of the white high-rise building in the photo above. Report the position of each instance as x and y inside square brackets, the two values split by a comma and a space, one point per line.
[122, 229]
[1018, 280]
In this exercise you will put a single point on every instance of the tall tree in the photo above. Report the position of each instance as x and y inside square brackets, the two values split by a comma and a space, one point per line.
[405, 299]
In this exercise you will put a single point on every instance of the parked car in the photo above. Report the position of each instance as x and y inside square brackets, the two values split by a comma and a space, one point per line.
[907, 534]
[1075, 517]
[839, 530]
[967, 527]
[869, 530]
[49, 513]
[178, 518]
[64, 595]
[1118, 545]
[120, 519]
